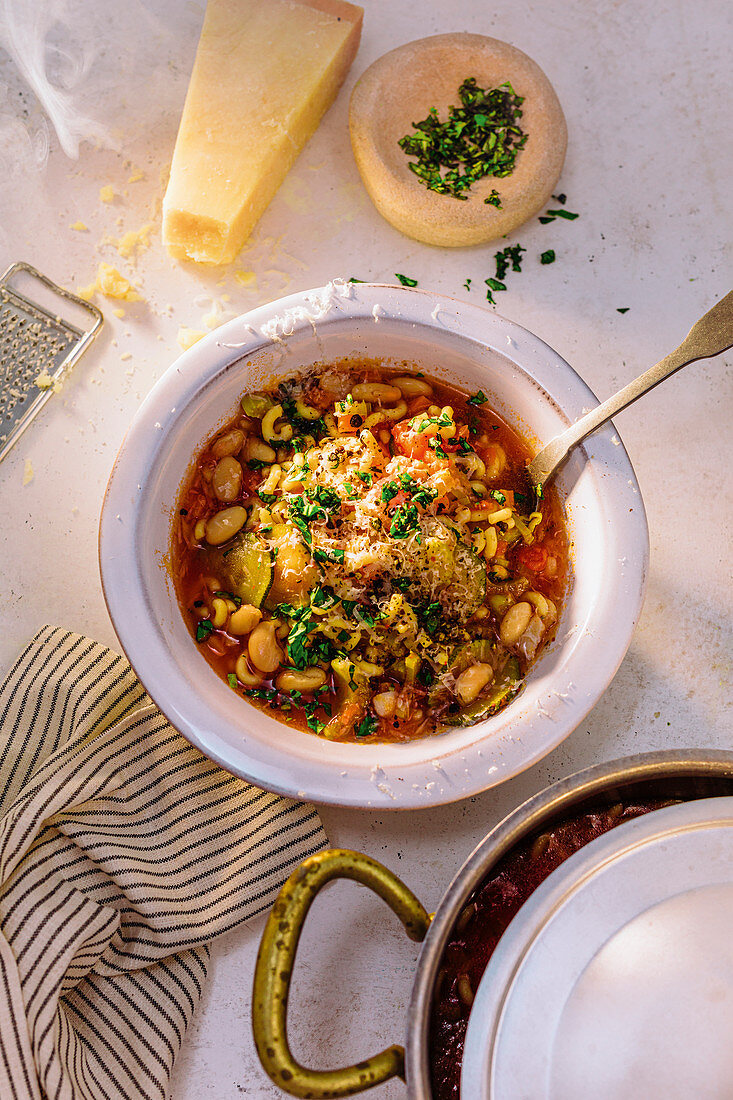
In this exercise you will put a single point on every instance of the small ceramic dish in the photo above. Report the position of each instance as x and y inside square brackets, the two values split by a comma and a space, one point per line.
[529, 385]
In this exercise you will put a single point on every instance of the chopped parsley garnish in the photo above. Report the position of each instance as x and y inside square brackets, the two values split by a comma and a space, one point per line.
[494, 199]
[353, 278]
[327, 498]
[497, 496]
[232, 680]
[300, 626]
[510, 256]
[624, 309]
[480, 138]
[479, 398]
[203, 629]
[405, 279]
[365, 477]
[334, 556]
[561, 198]
[301, 513]
[464, 447]
[548, 257]
[367, 726]
[550, 215]
[390, 490]
[430, 617]
[322, 597]
[301, 426]
[255, 464]
[404, 521]
[467, 284]
[436, 444]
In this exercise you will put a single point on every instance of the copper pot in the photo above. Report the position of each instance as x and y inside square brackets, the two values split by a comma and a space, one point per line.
[686, 775]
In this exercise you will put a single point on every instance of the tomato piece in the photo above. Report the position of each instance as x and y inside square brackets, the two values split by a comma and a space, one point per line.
[409, 442]
[533, 558]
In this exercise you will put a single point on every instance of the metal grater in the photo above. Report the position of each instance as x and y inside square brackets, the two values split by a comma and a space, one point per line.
[34, 342]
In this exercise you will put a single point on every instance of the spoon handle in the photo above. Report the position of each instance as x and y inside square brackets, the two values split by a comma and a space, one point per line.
[709, 336]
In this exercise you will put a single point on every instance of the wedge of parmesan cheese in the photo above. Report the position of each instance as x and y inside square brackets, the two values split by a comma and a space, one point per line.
[265, 73]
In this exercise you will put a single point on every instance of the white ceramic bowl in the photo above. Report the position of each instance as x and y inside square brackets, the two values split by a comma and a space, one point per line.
[530, 385]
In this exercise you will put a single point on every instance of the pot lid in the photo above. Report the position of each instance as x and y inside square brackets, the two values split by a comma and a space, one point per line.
[615, 979]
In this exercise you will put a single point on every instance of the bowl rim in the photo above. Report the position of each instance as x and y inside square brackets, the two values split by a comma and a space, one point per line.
[439, 776]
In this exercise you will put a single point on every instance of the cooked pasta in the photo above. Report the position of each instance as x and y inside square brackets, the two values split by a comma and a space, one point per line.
[359, 553]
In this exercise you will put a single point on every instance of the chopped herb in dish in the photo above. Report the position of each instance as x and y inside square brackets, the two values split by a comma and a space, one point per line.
[548, 257]
[405, 279]
[480, 138]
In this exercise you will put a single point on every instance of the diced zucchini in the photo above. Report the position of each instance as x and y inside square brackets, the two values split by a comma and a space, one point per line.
[440, 560]
[479, 651]
[244, 566]
[257, 404]
[412, 666]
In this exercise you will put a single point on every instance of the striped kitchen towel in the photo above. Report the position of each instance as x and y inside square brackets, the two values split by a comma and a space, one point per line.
[123, 851]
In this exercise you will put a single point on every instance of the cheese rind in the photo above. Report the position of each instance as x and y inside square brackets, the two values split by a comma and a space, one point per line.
[265, 73]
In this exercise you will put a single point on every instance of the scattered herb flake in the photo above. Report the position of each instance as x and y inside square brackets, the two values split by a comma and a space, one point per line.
[548, 257]
[623, 309]
[232, 679]
[405, 279]
[467, 284]
[203, 629]
[479, 398]
[494, 199]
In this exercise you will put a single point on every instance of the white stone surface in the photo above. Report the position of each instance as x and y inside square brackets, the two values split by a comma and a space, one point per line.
[646, 89]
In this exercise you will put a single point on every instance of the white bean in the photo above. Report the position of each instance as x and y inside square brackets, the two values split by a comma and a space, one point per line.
[225, 524]
[244, 619]
[227, 479]
[413, 387]
[310, 679]
[228, 444]
[264, 652]
[243, 673]
[515, 622]
[385, 703]
[258, 451]
[473, 681]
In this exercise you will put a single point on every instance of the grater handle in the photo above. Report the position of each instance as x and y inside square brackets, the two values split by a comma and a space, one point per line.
[21, 267]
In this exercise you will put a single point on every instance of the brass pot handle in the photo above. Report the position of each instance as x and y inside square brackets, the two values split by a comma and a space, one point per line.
[274, 967]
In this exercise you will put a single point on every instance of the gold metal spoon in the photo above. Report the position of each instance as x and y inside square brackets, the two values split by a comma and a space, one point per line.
[710, 336]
